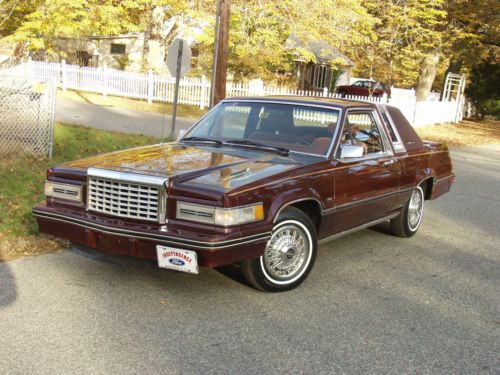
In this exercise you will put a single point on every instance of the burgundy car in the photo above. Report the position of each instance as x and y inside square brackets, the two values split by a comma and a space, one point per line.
[257, 182]
[365, 88]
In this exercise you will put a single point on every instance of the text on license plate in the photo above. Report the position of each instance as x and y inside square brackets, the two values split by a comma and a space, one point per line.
[176, 259]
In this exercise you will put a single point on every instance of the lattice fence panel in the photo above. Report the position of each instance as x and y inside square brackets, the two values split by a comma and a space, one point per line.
[27, 108]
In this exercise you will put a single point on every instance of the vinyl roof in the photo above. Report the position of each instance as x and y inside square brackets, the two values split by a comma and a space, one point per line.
[333, 102]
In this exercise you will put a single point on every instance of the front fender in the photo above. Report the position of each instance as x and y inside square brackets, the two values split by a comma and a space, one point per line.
[290, 197]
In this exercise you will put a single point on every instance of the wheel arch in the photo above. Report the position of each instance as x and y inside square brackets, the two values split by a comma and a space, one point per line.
[427, 184]
[311, 206]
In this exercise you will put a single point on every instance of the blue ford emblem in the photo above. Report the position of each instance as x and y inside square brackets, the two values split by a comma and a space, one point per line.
[176, 262]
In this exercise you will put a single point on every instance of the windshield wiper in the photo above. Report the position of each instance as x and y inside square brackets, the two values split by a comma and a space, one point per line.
[247, 142]
[201, 139]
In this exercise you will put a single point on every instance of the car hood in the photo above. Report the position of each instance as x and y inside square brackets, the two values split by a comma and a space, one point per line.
[223, 168]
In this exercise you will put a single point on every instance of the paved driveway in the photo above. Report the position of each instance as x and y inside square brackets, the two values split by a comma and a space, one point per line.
[373, 304]
[117, 119]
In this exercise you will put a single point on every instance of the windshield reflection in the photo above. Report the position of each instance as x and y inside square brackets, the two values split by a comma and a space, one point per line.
[293, 127]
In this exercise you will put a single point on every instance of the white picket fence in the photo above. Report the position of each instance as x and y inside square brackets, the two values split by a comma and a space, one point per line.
[196, 91]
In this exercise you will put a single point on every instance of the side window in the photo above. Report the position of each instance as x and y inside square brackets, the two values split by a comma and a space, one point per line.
[361, 129]
[396, 142]
[392, 133]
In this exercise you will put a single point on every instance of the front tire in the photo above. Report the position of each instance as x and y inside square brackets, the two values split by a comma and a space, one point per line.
[410, 217]
[289, 255]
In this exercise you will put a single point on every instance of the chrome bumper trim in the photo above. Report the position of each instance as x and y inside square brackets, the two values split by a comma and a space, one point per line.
[151, 236]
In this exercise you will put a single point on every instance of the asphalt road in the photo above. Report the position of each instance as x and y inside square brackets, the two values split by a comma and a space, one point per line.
[117, 119]
[373, 304]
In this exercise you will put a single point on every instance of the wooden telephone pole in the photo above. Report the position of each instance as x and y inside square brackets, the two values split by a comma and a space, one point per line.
[219, 71]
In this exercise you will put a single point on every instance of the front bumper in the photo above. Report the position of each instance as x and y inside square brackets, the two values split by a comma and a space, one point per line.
[137, 240]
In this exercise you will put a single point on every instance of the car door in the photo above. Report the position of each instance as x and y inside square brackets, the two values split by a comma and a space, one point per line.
[366, 186]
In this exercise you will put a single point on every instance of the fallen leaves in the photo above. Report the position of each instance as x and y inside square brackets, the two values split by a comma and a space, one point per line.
[465, 133]
[12, 248]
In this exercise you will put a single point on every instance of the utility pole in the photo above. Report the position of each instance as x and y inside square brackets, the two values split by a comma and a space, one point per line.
[219, 70]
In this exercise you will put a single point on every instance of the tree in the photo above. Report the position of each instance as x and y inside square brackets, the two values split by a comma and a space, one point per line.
[409, 40]
[483, 89]
[475, 35]
[259, 41]
[13, 13]
[51, 20]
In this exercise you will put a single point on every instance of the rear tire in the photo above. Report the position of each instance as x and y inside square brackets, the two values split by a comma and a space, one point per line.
[289, 254]
[408, 221]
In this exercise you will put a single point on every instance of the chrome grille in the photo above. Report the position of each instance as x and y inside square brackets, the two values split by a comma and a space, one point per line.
[125, 198]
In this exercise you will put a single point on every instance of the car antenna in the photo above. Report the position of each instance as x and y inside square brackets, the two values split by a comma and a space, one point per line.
[163, 119]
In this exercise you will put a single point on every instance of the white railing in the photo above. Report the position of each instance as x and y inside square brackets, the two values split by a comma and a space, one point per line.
[196, 91]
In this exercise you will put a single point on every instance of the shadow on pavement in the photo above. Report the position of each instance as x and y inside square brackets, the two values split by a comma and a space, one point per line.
[8, 289]
[231, 271]
[121, 260]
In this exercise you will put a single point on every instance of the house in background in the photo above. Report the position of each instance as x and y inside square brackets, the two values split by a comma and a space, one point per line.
[134, 51]
[331, 68]
[124, 51]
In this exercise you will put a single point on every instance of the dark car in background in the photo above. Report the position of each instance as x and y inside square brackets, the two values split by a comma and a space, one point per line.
[365, 88]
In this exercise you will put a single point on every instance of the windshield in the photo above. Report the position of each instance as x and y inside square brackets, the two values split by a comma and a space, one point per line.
[292, 127]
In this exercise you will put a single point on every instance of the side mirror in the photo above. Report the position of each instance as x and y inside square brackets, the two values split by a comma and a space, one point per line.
[351, 151]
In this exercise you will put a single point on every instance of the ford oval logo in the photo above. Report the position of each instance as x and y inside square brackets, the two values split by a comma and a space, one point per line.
[176, 262]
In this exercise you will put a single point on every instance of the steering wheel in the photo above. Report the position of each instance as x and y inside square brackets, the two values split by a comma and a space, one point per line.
[300, 141]
[303, 141]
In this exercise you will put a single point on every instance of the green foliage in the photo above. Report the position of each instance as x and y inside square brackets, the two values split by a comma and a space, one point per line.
[483, 90]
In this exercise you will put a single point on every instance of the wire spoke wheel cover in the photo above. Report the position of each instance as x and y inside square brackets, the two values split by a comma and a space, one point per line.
[288, 253]
[415, 209]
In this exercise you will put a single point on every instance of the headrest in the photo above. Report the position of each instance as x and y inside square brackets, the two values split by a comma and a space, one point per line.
[275, 122]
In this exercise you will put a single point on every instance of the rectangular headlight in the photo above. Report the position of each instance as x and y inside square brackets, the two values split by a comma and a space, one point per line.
[239, 215]
[220, 216]
[63, 191]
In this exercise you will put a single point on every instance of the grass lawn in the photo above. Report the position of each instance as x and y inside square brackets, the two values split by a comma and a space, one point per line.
[189, 111]
[21, 185]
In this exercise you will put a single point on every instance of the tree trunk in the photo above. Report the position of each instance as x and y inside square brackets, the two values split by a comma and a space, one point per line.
[145, 46]
[426, 78]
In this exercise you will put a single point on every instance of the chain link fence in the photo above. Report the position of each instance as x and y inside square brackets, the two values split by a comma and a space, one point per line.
[27, 109]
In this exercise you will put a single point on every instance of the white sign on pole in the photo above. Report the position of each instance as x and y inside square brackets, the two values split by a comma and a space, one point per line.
[173, 53]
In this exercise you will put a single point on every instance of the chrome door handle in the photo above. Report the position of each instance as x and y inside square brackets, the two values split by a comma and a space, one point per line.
[388, 162]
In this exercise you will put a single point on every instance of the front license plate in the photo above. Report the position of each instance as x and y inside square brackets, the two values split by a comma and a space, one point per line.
[176, 259]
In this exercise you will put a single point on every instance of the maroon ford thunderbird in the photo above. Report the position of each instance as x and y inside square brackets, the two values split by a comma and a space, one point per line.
[257, 182]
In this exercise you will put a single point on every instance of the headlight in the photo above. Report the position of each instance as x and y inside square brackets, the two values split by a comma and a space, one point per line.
[239, 215]
[220, 216]
[63, 191]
